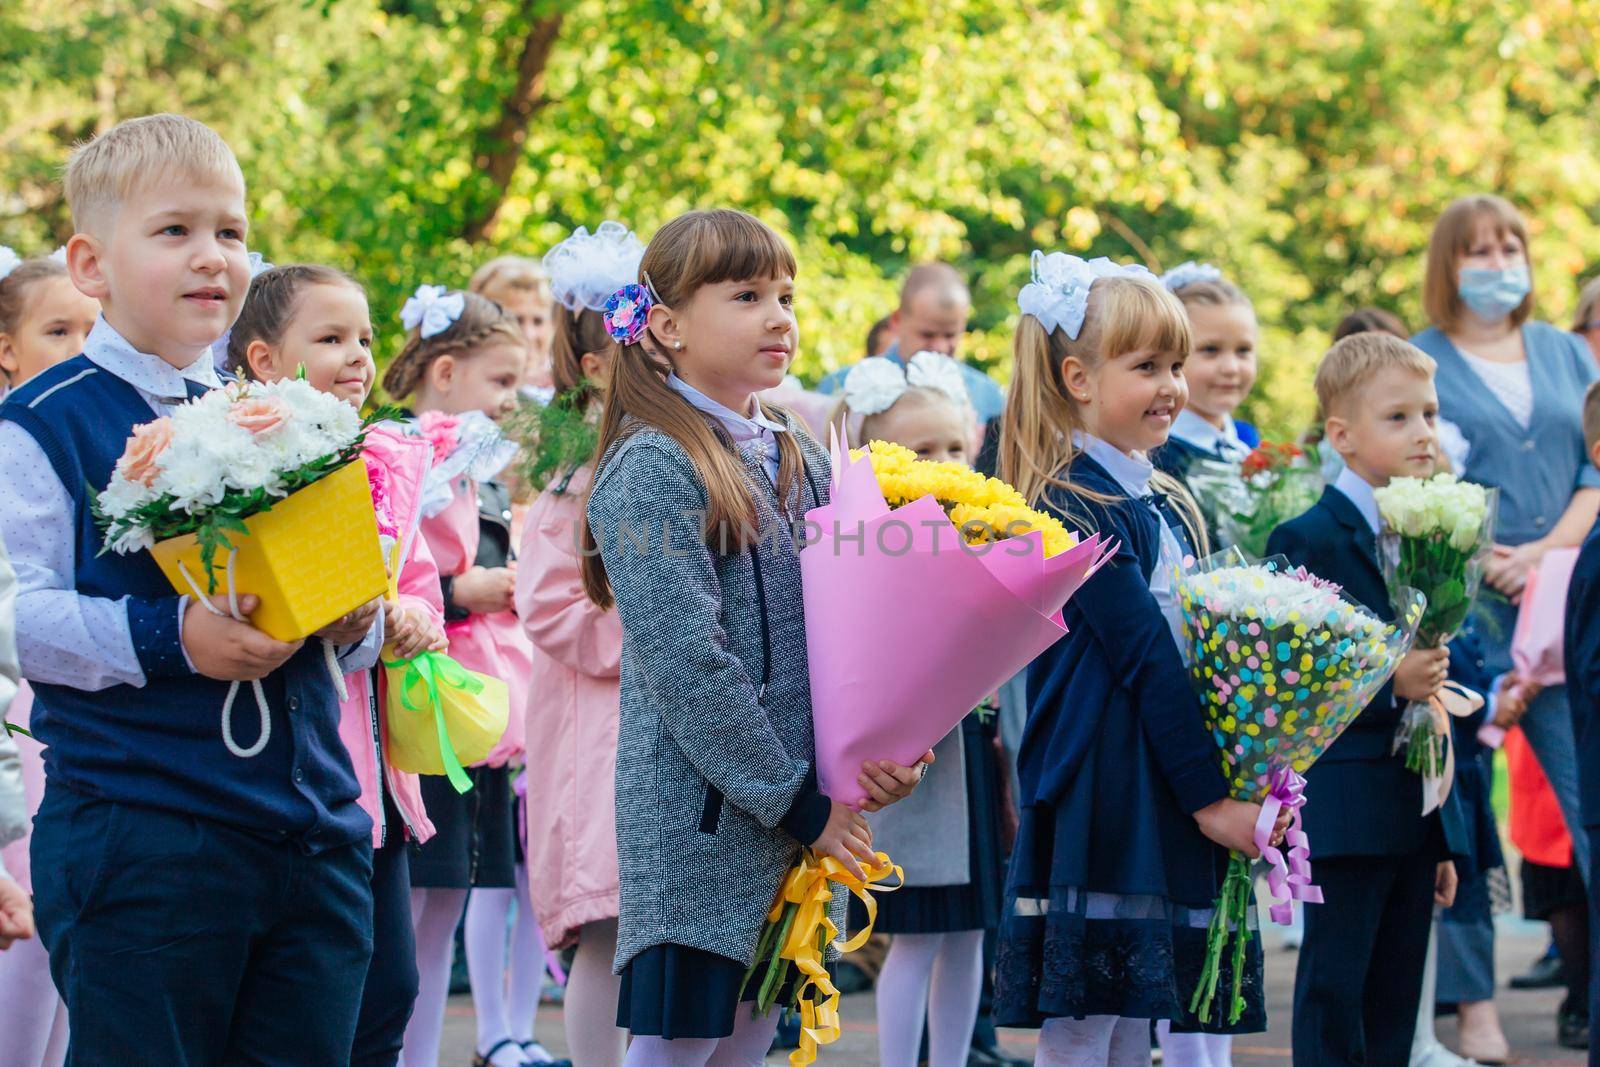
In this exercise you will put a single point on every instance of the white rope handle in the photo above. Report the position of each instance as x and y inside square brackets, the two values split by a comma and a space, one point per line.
[233, 689]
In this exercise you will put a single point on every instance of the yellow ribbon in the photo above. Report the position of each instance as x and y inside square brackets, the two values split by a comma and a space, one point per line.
[1452, 700]
[809, 887]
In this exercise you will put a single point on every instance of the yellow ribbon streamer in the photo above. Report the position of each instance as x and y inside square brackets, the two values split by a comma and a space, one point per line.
[809, 887]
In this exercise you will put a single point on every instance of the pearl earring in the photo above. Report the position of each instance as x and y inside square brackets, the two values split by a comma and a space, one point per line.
[677, 344]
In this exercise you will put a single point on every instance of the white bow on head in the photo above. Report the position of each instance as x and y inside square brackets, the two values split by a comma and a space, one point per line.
[1058, 295]
[9, 261]
[586, 268]
[875, 384]
[432, 309]
[1190, 273]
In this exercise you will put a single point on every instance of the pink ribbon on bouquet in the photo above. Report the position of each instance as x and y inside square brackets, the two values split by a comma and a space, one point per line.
[1288, 877]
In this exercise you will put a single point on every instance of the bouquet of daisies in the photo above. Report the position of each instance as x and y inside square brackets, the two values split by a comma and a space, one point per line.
[1437, 534]
[1245, 501]
[254, 488]
[1282, 663]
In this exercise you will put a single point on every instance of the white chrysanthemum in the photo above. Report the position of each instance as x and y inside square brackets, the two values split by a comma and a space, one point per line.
[122, 496]
[131, 539]
[192, 477]
[254, 468]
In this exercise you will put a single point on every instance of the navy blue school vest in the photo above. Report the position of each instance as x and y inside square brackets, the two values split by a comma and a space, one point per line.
[160, 744]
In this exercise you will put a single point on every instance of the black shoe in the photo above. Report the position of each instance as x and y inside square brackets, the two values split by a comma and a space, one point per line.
[1572, 1029]
[1545, 973]
[992, 1056]
[788, 1035]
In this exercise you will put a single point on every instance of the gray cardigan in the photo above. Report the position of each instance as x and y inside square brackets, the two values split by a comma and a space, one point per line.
[705, 770]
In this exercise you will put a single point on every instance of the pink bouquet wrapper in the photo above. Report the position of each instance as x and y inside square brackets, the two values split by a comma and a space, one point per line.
[1536, 644]
[908, 629]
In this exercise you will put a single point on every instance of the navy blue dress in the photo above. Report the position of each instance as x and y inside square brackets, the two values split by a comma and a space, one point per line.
[1111, 882]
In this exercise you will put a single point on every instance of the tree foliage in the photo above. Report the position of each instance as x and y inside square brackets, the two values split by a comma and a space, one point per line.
[1304, 147]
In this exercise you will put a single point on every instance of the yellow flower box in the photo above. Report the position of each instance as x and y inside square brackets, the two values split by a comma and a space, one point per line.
[310, 558]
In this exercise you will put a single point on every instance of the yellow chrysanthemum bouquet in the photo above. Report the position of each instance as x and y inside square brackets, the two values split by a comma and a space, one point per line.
[984, 509]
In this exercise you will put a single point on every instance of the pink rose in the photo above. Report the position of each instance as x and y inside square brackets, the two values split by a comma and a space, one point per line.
[440, 430]
[258, 414]
[141, 457]
[382, 506]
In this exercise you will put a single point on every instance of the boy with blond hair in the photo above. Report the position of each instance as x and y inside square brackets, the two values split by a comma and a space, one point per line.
[1381, 864]
[198, 907]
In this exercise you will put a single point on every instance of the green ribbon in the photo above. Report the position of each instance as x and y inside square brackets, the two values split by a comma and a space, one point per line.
[433, 669]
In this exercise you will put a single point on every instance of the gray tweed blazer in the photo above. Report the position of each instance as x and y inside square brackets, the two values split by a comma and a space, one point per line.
[705, 768]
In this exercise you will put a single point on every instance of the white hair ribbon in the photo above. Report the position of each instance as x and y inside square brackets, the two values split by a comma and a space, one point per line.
[432, 309]
[1190, 273]
[1058, 295]
[9, 261]
[875, 384]
[587, 268]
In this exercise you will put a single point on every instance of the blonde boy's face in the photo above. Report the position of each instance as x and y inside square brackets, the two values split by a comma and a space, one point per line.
[1388, 427]
[169, 267]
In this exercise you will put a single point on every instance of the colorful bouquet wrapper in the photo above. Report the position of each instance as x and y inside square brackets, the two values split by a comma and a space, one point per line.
[311, 558]
[908, 628]
[442, 716]
[1282, 663]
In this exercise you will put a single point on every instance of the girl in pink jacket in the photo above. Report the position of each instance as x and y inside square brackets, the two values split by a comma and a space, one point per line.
[313, 320]
[573, 693]
[461, 366]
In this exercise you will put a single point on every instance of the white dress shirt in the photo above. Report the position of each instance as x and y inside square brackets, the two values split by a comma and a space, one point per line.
[748, 431]
[1194, 430]
[1360, 493]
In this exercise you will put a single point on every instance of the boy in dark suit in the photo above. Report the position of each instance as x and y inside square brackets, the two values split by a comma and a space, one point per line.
[1582, 654]
[1381, 864]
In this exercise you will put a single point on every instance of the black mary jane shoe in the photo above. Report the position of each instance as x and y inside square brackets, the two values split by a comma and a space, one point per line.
[531, 1056]
[1572, 1029]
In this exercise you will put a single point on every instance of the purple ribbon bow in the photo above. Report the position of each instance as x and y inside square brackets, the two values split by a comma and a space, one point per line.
[1288, 878]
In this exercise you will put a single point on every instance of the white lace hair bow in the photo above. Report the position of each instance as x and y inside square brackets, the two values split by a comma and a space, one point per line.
[875, 384]
[1058, 295]
[1190, 273]
[9, 261]
[432, 309]
[59, 255]
[587, 268]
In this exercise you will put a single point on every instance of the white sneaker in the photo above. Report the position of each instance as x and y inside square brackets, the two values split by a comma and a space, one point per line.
[1436, 1055]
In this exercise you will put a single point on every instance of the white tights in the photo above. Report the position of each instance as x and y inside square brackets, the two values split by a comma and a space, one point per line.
[434, 914]
[593, 1037]
[1194, 1050]
[746, 1047]
[1098, 1041]
[505, 996]
[932, 978]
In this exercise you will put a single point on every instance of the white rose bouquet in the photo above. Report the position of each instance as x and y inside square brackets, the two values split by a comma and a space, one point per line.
[1437, 534]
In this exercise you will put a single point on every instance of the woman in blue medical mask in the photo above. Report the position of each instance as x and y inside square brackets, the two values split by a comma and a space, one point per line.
[1510, 396]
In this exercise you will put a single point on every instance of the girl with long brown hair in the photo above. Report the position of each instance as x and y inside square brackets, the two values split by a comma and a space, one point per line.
[688, 523]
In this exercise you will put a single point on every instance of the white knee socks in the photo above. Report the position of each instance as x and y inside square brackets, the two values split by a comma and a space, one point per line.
[937, 978]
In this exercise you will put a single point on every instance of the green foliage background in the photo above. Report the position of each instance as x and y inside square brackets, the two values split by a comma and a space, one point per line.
[1304, 146]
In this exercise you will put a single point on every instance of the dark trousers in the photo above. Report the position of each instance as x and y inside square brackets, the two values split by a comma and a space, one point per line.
[1593, 833]
[391, 987]
[179, 940]
[1359, 979]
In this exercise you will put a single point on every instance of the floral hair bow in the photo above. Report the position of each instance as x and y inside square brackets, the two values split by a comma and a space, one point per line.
[432, 309]
[627, 313]
[9, 261]
[1190, 273]
[1058, 295]
[875, 384]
